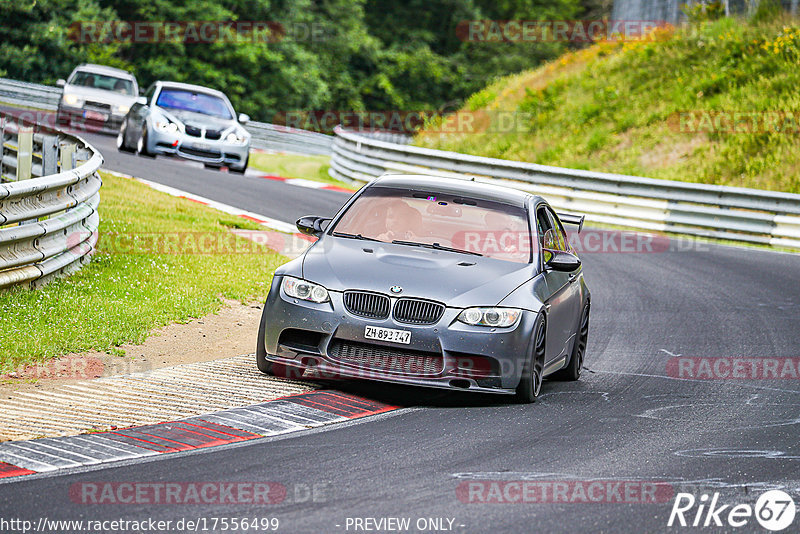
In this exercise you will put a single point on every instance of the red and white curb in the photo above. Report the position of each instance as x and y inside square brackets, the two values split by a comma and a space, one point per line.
[280, 416]
[301, 182]
[269, 222]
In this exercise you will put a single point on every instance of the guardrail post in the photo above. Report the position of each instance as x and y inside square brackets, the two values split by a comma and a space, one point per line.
[49, 155]
[66, 156]
[24, 152]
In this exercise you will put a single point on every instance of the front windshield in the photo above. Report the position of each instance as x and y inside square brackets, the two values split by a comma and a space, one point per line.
[186, 100]
[439, 220]
[122, 86]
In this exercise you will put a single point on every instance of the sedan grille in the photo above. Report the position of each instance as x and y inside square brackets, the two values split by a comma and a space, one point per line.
[370, 305]
[99, 106]
[416, 311]
[194, 131]
[386, 359]
[213, 134]
[211, 154]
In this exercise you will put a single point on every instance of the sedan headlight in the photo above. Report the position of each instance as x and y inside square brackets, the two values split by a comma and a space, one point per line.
[123, 109]
[237, 138]
[166, 126]
[305, 290]
[72, 100]
[499, 317]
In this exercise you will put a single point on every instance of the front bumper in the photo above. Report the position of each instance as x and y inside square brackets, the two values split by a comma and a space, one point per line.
[448, 354]
[209, 151]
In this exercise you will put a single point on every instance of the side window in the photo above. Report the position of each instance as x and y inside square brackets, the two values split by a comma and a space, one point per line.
[150, 92]
[547, 237]
[562, 243]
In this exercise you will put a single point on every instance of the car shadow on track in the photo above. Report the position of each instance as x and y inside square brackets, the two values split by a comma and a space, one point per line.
[415, 396]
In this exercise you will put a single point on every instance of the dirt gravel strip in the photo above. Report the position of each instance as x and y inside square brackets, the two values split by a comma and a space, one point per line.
[143, 398]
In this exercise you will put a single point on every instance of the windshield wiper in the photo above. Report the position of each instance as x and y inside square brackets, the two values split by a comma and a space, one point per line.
[435, 246]
[355, 236]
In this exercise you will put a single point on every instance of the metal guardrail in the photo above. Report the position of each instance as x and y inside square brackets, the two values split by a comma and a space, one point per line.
[732, 213]
[284, 139]
[49, 193]
[29, 94]
[265, 136]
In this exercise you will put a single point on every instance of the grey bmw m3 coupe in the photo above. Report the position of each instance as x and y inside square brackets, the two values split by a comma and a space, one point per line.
[432, 282]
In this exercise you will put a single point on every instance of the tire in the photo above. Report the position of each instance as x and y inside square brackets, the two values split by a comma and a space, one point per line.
[267, 367]
[244, 167]
[572, 371]
[122, 146]
[530, 385]
[141, 145]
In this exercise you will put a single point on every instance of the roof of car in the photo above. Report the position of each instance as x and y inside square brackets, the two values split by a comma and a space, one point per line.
[453, 185]
[191, 87]
[103, 69]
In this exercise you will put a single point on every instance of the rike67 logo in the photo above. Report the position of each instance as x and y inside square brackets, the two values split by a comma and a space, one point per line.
[774, 510]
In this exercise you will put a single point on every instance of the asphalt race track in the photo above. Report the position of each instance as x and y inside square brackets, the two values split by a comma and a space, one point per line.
[635, 418]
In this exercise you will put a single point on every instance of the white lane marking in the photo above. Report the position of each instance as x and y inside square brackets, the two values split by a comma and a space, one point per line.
[123, 448]
[670, 353]
[261, 413]
[95, 452]
[696, 380]
[269, 222]
[62, 452]
[24, 450]
[234, 421]
[262, 219]
[22, 460]
[300, 182]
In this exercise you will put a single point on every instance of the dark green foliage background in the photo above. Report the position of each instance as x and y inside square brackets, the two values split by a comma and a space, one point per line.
[376, 54]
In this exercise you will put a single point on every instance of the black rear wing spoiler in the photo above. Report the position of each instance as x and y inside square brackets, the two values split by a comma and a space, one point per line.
[576, 220]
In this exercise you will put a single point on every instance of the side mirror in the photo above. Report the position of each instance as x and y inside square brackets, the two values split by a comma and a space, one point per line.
[141, 100]
[61, 82]
[244, 118]
[312, 225]
[563, 261]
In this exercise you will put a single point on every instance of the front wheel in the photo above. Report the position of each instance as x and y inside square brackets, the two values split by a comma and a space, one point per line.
[530, 385]
[141, 145]
[122, 144]
[572, 371]
[243, 168]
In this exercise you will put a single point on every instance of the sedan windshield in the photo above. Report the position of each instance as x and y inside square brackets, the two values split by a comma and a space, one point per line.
[184, 100]
[100, 81]
[439, 221]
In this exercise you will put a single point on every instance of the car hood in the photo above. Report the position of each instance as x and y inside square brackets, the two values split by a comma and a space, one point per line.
[458, 280]
[198, 120]
[99, 95]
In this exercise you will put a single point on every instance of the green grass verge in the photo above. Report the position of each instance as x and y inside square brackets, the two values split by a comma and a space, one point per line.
[296, 166]
[121, 297]
[616, 107]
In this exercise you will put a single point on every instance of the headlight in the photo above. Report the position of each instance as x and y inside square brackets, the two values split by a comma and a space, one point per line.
[302, 289]
[500, 317]
[166, 126]
[72, 100]
[123, 109]
[237, 138]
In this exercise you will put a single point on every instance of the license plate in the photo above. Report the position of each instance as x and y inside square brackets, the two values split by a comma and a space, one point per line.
[95, 115]
[388, 334]
[201, 146]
